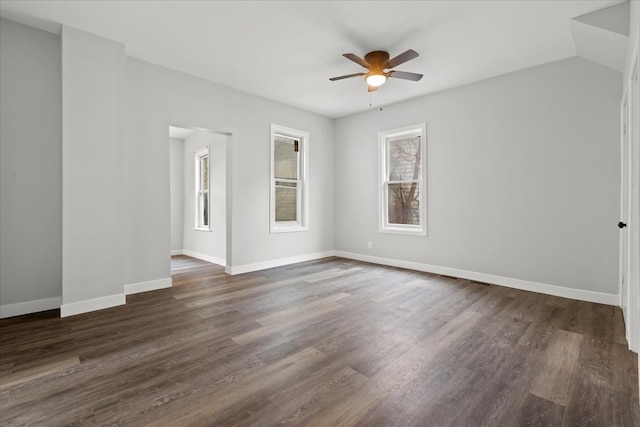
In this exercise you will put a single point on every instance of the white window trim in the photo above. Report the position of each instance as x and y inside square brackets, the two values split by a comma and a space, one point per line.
[383, 164]
[204, 151]
[303, 189]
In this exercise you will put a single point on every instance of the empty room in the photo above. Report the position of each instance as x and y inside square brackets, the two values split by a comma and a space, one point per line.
[320, 213]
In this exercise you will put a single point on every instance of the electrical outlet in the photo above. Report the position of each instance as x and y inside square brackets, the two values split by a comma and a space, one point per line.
[370, 245]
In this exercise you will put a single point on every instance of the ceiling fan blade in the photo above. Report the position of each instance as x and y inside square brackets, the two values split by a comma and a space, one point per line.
[357, 60]
[404, 75]
[401, 59]
[372, 88]
[333, 79]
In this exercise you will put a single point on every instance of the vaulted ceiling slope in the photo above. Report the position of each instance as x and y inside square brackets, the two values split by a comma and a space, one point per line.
[602, 36]
[287, 50]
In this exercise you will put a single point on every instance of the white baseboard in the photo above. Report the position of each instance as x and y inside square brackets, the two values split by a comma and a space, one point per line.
[151, 285]
[28, 307]
[92, 305]
[203, 257]
[559, 291]
[177, 252]
[247, 268]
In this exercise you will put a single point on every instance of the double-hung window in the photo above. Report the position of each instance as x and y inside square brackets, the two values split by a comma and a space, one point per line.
[289, 195]
[202, 219]
[403, 183]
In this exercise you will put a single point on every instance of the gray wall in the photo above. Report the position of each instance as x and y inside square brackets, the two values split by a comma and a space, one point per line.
[92, 186]
[523, 177]
[177, 192]
[30, 156]
[212, 244]
[157, 97]
[117, 198]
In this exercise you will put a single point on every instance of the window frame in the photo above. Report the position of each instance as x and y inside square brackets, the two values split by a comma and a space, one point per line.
[302, 199]
[383, 182]
[199, 191]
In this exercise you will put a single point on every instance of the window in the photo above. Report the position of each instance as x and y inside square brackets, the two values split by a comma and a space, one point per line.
[202, 189]
[289, 195]
[403, 182]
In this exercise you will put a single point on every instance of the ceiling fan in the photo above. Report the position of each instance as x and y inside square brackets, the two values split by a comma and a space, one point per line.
[376, 63]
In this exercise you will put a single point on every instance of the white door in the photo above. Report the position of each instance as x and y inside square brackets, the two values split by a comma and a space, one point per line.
[624, 213]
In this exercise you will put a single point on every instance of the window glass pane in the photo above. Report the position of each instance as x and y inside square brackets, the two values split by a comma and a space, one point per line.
[205, 209]
[205, 172]
[286, 202]
[404, 159]
[285, 158]
[404, 203]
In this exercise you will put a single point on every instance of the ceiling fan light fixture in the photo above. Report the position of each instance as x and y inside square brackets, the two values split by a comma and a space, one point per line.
[376, 80]
[376, 62]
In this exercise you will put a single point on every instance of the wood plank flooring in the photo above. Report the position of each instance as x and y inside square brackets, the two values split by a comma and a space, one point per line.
[332, 342]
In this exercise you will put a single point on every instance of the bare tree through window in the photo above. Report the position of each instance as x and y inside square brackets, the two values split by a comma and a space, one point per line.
[403, 188]
[403, 180]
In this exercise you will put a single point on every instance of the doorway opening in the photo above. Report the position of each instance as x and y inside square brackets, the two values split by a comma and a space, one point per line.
[199, 179]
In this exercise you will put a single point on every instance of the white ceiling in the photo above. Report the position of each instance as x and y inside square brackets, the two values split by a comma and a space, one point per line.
[287, 50]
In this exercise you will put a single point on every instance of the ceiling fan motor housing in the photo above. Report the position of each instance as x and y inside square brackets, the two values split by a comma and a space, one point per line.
[377, 59]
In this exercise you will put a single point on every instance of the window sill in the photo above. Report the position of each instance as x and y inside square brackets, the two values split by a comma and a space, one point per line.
[201, 229]
[403, 230]
[288, 228]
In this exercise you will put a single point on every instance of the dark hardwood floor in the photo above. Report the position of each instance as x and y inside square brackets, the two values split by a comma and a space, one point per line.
[327, 343]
